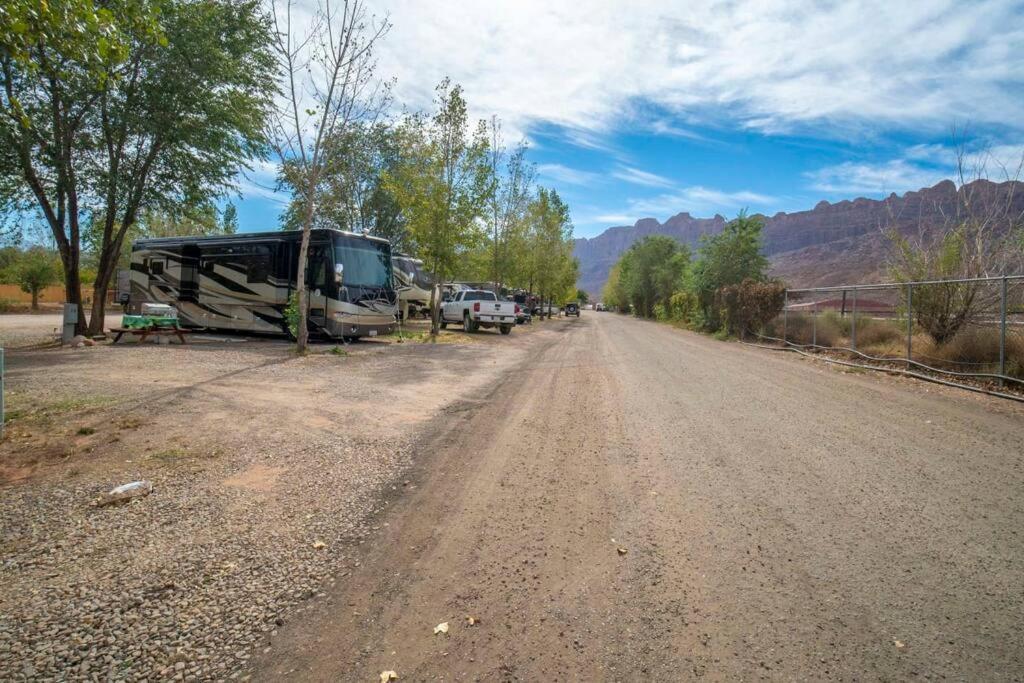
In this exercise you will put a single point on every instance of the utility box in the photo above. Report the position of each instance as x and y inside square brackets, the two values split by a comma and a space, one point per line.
[124, 284]
[70, 320]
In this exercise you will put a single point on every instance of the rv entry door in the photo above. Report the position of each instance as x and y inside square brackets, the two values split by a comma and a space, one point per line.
[320, 271]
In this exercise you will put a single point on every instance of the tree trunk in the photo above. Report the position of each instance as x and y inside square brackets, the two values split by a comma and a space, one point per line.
[302, 334]
[97, 319]
[73, 285]
[35, 299]
[435, 308]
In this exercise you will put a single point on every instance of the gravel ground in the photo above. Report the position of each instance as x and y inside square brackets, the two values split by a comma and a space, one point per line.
[639, 503]
[269, 471]
[21, 329]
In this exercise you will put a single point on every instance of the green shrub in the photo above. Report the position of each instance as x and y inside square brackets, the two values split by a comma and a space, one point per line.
[748, 306]
[683, 306]
[291, 314]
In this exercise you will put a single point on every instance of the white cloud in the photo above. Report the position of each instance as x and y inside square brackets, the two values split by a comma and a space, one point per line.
[567, 175]
[921, 166]
[613, 218]
[698, 200]
[638, 177]
[772, 64]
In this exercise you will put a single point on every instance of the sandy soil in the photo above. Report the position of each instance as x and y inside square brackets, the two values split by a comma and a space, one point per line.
[632, 502]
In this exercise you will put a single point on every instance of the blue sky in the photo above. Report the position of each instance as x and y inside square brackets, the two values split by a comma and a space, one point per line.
[645, 108]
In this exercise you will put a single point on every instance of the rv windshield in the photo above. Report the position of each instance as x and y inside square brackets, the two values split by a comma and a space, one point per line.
[367, 262]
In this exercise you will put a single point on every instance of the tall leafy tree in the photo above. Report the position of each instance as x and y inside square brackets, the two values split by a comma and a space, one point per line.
[651, 271]
[113, 107]
[229, 220]
[512, 178]
[57, 60]
[553, 269]
[442, 183]
[188, 113]
[330, 86]
[351, 194]
[728, 258]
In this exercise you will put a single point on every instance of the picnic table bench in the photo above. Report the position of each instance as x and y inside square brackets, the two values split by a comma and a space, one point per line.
[143, 332]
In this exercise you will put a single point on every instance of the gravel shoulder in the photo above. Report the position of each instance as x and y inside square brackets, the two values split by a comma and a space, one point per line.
[641, 503]
[270, 471]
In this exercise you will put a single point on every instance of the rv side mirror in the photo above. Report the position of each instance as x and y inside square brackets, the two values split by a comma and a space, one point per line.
[339, 272]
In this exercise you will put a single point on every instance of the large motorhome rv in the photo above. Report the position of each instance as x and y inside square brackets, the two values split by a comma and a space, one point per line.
[413, 285]
[244, 282]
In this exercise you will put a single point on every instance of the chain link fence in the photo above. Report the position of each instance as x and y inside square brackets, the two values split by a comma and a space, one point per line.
[971, 329]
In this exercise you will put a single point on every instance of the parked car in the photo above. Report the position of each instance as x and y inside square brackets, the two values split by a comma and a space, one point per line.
[476, 308]
[523, 315]
[572, 308]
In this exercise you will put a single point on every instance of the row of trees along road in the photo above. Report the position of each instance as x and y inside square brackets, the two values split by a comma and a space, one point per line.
[109, 110]
[725, 288]
[437, 185]
[133, 117]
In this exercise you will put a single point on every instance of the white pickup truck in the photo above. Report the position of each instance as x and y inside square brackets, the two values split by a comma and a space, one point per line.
[476, 308]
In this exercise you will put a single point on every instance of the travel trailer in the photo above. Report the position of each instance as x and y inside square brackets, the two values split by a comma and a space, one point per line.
[413, 285]
[243, 282]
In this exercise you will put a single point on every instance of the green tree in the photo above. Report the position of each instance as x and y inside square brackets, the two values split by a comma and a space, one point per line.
[552, 269]
[441, 183]
[118, 106]
[189, 113]
[351, 194]
[651, 271]
[582, 297]
[613, 294]
[57, 60]
[329, 72]
[727, 258]
[35, 270]
[229, 220]
[508, 200]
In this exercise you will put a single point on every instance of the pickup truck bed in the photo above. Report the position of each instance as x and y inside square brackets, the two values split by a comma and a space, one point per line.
[475, 308]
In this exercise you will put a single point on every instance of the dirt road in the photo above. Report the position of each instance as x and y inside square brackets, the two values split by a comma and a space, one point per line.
[639, 503]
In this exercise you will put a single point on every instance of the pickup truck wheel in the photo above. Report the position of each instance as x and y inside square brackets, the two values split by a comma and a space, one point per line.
[467, 323]
[506, 329]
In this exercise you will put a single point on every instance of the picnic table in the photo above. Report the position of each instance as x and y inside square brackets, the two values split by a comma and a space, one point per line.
[144, 332]
[144, 327]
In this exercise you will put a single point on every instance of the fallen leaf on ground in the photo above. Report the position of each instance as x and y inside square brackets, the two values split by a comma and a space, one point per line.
[386, 676]
[441, 628]
[621, 551]
[899, 644]
[472, 621]
[317, 545]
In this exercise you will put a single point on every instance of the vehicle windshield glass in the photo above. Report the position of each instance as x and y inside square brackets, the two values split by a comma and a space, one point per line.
[479, 296]
[367, 262]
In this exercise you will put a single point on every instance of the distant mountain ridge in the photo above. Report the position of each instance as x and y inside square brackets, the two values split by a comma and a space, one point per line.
[828, 245]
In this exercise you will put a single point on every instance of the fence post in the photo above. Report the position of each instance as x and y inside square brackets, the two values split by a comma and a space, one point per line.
[785, 315]
[910, 321]
[1002, 333]
[814, 324]
[853, 322]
